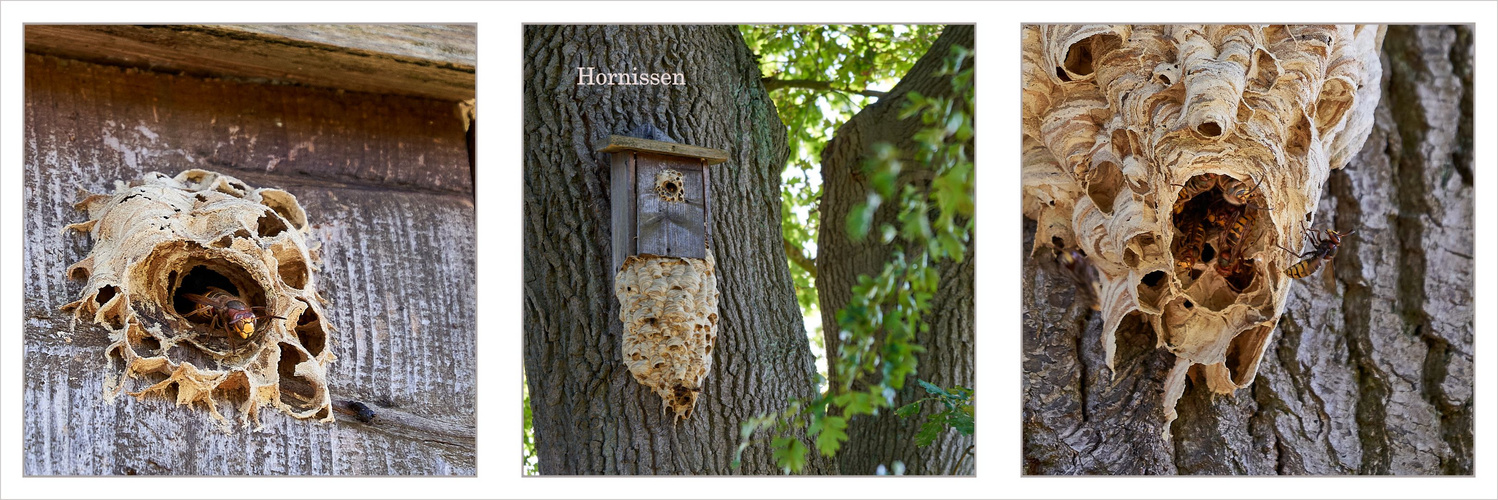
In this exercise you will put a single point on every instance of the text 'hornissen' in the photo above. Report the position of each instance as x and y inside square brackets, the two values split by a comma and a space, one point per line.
[587, 76]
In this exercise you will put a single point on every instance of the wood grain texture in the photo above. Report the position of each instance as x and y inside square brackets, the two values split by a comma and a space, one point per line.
[444, 43]
[670, 228]
[622, 214]
[386, 184]
[348, 59]
[619, 143]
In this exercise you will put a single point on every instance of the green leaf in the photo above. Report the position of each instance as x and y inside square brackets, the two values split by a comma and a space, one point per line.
[855, 403]
[930, 430]
[789, 453]
[862, 216]
[933, 389]
[909, 410]
[833, 434]
[961, 421]
[738, 455]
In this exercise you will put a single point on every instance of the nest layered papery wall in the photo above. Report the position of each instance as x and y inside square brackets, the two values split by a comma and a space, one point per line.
[158, 239]
[1118, 120]
[669, 306]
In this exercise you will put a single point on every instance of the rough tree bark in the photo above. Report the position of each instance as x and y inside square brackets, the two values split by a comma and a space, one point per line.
[385, 183]
[948, 360]
[590, 415]
[1370, 371]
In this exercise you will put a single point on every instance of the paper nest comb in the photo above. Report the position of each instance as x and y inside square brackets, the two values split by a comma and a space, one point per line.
[669, 306]
[1118, 119]
[160, 238]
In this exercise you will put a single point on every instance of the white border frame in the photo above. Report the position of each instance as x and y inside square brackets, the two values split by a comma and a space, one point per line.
[998, 296]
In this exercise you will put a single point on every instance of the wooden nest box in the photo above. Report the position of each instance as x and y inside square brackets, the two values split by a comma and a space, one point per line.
[659, 192]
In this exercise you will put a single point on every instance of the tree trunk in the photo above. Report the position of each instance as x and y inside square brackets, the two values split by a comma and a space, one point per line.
[1370, 371]
[948, 360]
[590, 416]
[384, 180]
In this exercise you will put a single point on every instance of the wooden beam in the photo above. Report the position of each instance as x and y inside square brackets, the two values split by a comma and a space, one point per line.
[709, 156]
[438, 64]
[443, 43]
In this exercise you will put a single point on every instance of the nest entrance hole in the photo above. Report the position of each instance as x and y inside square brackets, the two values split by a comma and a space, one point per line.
[1211, 213]
[196, 276]
[670, 189]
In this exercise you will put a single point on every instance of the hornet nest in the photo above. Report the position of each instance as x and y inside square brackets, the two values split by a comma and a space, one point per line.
[163, 243]
[1180, 159]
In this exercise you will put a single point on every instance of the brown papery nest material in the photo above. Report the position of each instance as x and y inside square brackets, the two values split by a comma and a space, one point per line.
[669, 306]
[159, 239]
[1118, 119]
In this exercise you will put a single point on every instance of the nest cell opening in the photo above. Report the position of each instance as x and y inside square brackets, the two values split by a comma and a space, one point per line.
[106, 293]
[235, 388]
[682, 397]
[1214, 235]
[1209, 253]
[296, 391]
[1209, 129]
[309, 331]
[1242, 276]
[270, 224]
[1078, 59]
[291, 266]
[1119, 139]
[1103, 185]
[110, 306]
[285, 205]
[294, 272]
[1243, 351]
[1151, 287]
[1080, 56]
[143, 343]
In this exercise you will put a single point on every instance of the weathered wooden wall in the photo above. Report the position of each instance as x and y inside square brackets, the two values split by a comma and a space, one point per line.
[387, 184]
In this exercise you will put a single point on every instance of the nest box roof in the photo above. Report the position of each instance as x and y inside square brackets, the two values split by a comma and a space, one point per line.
[619, 143]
